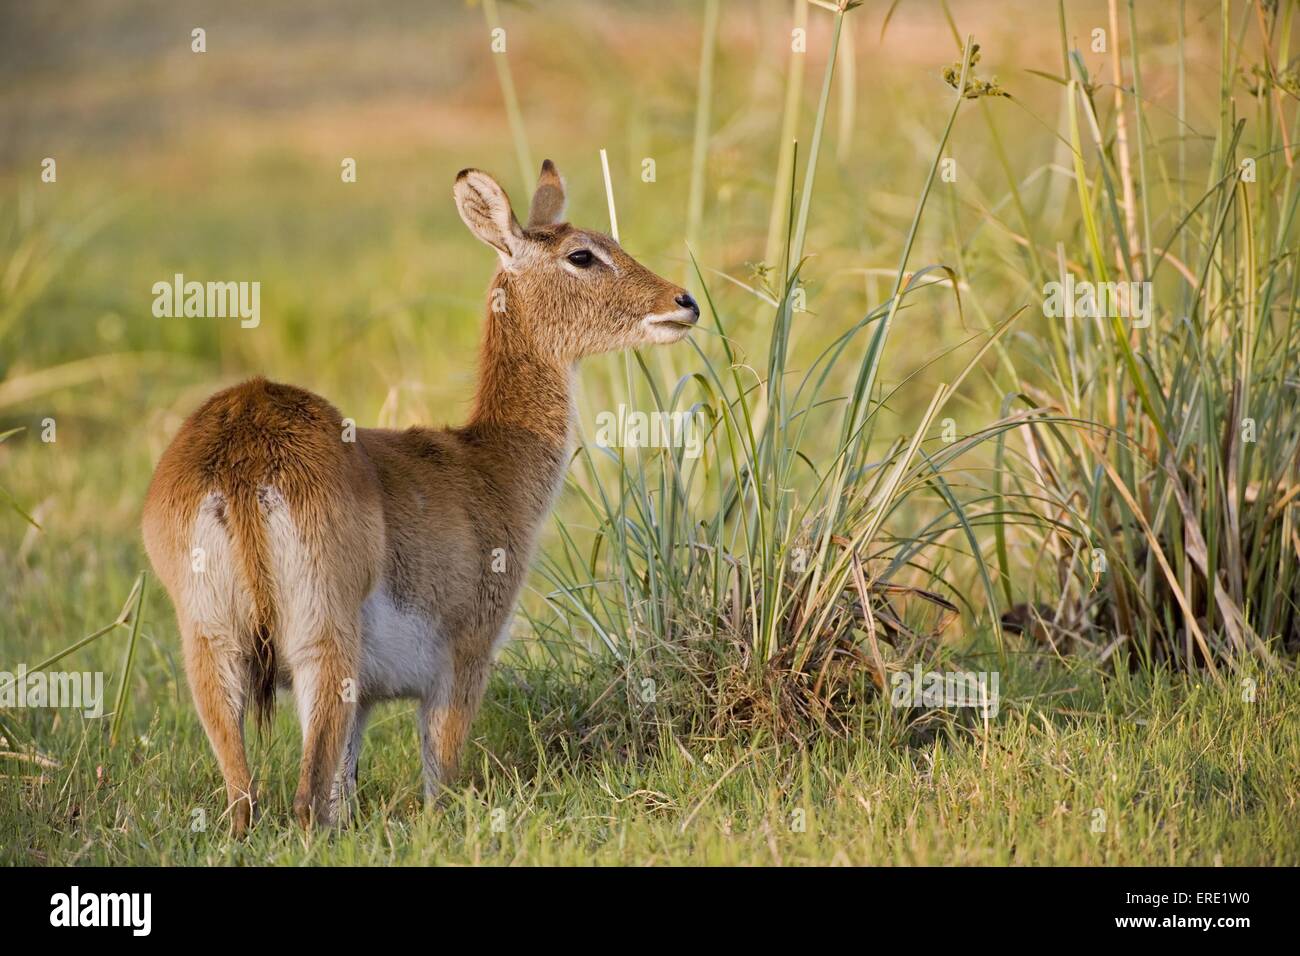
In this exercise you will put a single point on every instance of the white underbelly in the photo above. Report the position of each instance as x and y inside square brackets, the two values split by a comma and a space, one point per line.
[402, 652]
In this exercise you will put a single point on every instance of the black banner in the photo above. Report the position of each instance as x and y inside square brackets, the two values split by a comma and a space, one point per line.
[335, 905]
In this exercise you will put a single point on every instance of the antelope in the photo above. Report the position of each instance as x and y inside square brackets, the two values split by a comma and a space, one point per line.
[388, 565]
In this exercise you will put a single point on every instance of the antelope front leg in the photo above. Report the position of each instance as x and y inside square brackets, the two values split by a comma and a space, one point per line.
[445, 717]
[324, 675]
[344, 791]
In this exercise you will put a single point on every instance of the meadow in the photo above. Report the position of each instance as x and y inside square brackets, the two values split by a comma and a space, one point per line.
[913, 453]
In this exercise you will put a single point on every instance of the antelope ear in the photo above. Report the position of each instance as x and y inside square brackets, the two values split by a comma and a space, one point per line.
[548, 202]
[485, 207]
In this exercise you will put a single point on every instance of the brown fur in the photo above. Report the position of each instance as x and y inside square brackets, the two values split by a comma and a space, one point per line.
[305, 527]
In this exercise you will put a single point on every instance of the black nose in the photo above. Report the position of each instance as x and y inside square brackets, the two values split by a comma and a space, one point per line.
[687, 302]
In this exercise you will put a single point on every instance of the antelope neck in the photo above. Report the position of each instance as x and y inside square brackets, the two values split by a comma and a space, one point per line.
[523, 411]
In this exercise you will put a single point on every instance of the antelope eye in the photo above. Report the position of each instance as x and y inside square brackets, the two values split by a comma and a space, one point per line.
[581, 258]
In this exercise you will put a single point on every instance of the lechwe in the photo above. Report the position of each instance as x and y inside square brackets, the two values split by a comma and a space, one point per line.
[388, 566]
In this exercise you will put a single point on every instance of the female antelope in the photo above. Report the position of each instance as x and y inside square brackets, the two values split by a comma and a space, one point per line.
[362, 566]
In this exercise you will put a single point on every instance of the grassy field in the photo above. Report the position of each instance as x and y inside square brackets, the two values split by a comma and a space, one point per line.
[905, 461]
[1141, 773]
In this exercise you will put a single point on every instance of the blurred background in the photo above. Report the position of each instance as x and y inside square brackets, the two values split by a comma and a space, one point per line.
[225, 165]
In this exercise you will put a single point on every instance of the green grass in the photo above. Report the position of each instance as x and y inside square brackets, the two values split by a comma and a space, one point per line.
[1185, 773]
[899, 448]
